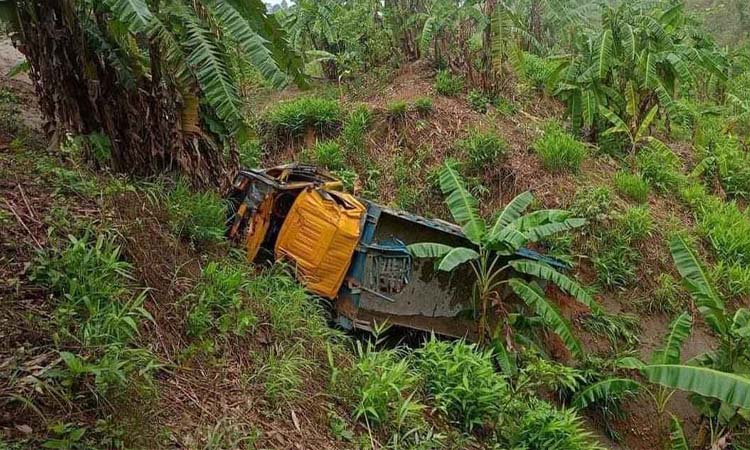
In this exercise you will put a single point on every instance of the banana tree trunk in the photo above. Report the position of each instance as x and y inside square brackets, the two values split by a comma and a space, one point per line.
[80, 92]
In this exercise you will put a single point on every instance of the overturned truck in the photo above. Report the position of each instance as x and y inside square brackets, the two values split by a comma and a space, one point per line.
[353, 252]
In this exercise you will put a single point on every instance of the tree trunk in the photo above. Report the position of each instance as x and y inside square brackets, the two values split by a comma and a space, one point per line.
[80, 92]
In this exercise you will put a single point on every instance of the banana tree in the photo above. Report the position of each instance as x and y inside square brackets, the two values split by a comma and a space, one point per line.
[492, 255]
[717, 379]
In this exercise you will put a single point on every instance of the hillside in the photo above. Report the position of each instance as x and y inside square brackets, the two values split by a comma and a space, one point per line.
[128, 321]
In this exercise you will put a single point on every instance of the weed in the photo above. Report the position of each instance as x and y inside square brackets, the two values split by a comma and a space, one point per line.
[251, 154]
[383, 381]
[734, 279]
[462, 382]
[354, 129]
[615, 327]
[348, 178]
[616, 263]
[9, 111]
[478, 100]
[197, 216]
[542, 426]
[593, 204]
[660, 166]
[294, 118]
[94, 305]
[636, 223]
[67, 181]
[535, 69]
[424, 106]
[217, 302]
[727, 228]
[339, 428]
[668, 297]
[482, 149]
[504, 106]
[284, 372]
[559, 150]
[632, 186]
[543, 373]
[396, 110]
[448, 84]
[328, 154]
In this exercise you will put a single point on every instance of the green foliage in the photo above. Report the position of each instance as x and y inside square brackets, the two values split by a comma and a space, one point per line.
[462, 382]
[535, 69]
[292, 119]
[616, 328]
[328, 154]
[593, 204]
[478, 100]
[94, 304]
[482, 149]
[284, 372]
[448, 84]
[354, 129]
[217, 302]
[616, 263]
[384, 385]
[725, 159]
[660, 167]
[632, 186]
[196, 216]
[251, 154]
[734, 279]
[636, 223]
[727, 229]
[9, 111]
[397, 109]
[667, 297]
[424, 105]
[544, 426]
[559, 150]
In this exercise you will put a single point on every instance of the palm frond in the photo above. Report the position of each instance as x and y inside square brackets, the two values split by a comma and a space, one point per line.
[544, 272]
[456, 257]
[511, 212]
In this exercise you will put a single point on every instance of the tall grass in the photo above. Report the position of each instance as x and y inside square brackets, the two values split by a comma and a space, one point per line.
[196, 216]
[632, 186]
[293, 118]
[482, 149]
[559, 150]
[448, 84]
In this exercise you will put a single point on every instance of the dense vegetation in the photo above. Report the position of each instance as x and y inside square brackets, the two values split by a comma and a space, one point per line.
[131, 323]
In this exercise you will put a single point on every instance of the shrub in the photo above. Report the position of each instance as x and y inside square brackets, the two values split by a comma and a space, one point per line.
[448, 84]
[592, 203]
[559, 150]
[354, 129]
[733, 278]
[294, 118]
[660, 167]
[482, 148]
[424, 105]
[632, 186]
[727, 161]
[217, 302]
[462, 382]
[197, 216]
[636, 223]
[397, 110]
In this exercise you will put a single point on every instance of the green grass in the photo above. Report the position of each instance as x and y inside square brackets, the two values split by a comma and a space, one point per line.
[251, 154]
[424, 106]
[668, 297]
[636, 223]
[632, 186]
[217, 302]
[592, 203]
[478, 100]
[284, 372]
[482, 149]
[616, 262]
[294, 118]
[660, 167]
[396, 110]
[326, 154]
[461, 381]
[448, 84]
[559, 150]
[196, 216]
[354, 129]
